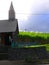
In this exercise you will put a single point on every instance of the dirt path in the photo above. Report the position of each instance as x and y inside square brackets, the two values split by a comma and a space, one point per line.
[6, 62]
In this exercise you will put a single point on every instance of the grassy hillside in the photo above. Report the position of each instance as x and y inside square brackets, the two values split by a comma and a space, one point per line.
[34, 37]
[34, 34]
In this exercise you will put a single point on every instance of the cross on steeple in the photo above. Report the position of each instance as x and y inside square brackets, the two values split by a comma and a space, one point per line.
[11, 7]
[11, 12]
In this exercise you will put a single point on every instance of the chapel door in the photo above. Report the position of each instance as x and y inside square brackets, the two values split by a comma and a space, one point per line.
[6, 39]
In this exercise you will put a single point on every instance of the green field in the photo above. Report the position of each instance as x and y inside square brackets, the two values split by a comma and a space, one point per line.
[34, 34]
[42, 39]
[34, 37]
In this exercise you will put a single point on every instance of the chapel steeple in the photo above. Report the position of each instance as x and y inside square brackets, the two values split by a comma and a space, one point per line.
[11, 12]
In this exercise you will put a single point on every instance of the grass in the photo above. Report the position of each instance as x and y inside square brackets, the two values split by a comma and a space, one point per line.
[34, 34]
[36, 37]
[33, 46]
[46, 45]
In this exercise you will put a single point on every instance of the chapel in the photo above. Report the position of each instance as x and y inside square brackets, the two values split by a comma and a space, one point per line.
[9, 28]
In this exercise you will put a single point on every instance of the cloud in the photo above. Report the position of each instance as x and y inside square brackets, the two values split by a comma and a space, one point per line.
[22, 8]
[38, 22]
[40, 5]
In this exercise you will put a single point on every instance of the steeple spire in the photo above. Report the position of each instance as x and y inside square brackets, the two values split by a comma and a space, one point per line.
[11, 12]
[11, 7]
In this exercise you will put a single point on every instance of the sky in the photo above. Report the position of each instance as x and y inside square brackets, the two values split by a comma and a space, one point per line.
[32, 15]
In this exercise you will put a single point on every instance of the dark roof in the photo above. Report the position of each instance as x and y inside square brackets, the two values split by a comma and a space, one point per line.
[8, 26]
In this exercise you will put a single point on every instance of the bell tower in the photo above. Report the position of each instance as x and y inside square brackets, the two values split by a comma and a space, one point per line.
[11, 12]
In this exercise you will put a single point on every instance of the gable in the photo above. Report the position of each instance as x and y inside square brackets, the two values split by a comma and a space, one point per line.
[8, 26]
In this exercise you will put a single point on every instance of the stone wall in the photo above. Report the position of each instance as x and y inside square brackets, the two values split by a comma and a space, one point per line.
[23, 53]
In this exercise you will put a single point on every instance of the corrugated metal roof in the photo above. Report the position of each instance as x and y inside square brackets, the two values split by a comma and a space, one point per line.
[8, 26]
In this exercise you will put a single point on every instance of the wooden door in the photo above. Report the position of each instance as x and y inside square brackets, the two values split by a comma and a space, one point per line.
[2, 38]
